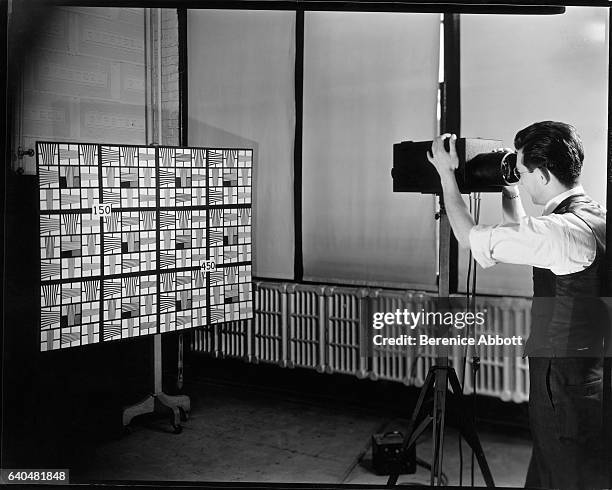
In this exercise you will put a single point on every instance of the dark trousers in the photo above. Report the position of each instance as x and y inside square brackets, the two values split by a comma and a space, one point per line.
[565, 417]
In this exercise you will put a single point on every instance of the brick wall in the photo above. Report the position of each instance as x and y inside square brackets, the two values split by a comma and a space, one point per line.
[165, 54]
[83, 81]
[170, 78]
[86, 79]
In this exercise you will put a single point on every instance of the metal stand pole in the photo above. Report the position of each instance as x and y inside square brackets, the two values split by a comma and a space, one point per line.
[437, 381]
[158, 401]
[179, 377]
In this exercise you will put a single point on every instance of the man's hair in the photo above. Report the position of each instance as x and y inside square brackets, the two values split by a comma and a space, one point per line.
[554, 146]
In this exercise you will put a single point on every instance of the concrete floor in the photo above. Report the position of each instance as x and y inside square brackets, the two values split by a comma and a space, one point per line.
[235, 435]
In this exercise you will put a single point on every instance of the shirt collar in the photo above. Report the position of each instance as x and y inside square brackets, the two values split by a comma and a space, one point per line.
[559, 198]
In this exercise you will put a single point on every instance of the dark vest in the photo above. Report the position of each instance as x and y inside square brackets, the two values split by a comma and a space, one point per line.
[567, 318]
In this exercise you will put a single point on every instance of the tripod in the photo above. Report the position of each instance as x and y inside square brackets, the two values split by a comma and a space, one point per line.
[438, 378]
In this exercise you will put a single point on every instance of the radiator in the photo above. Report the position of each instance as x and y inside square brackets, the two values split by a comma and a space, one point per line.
[347, 328]
[396, 363]
[329, 329]
[306, 326]
[269, 329]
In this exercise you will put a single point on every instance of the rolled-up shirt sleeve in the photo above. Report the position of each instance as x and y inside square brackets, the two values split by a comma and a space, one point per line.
[480, 244]
[553, 242]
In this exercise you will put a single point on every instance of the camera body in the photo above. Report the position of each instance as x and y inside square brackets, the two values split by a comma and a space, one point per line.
[481, 168]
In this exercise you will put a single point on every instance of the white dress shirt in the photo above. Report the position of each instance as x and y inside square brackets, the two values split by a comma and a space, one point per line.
[562, 243]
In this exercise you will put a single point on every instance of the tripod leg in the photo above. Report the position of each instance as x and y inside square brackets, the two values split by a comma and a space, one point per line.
[418, 431]
[468, 431]
[427, 385]
[444, 381]
[440, 390]
[436, 443]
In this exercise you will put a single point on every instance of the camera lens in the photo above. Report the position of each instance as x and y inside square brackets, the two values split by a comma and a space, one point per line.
[492, 169]
[509, 171]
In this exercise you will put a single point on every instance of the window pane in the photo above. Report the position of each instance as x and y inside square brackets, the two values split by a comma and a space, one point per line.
[370, 80]
[241, 94]
[516, 70]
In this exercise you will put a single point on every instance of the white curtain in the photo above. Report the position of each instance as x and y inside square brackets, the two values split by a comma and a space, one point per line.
[370, 80]
[534, 68]
[241, 94]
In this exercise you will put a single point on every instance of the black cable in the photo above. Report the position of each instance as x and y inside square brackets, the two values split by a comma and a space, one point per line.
[467, 299]
[470, 306]
[427, 466]
[477, 221]
[475, 359]
[476, 364]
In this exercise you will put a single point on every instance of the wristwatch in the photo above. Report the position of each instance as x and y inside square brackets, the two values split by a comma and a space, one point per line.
[507, 195]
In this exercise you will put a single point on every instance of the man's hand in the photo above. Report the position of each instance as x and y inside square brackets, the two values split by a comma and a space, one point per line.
[445, 161]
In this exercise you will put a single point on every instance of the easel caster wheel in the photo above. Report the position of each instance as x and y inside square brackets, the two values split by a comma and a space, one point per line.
[184, 414]
[177, 429]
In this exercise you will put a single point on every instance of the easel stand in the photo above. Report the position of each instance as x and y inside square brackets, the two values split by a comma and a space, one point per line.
[436, 382]
[158, 401]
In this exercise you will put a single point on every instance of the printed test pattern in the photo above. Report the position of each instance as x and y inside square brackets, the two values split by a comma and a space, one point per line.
[140, 271]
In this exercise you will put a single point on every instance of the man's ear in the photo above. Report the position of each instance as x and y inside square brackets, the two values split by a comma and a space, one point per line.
[544, 174]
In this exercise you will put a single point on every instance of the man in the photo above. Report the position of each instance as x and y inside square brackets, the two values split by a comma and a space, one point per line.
[566, 247]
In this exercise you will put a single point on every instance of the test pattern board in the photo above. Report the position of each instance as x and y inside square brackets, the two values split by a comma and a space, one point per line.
[139, 240]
